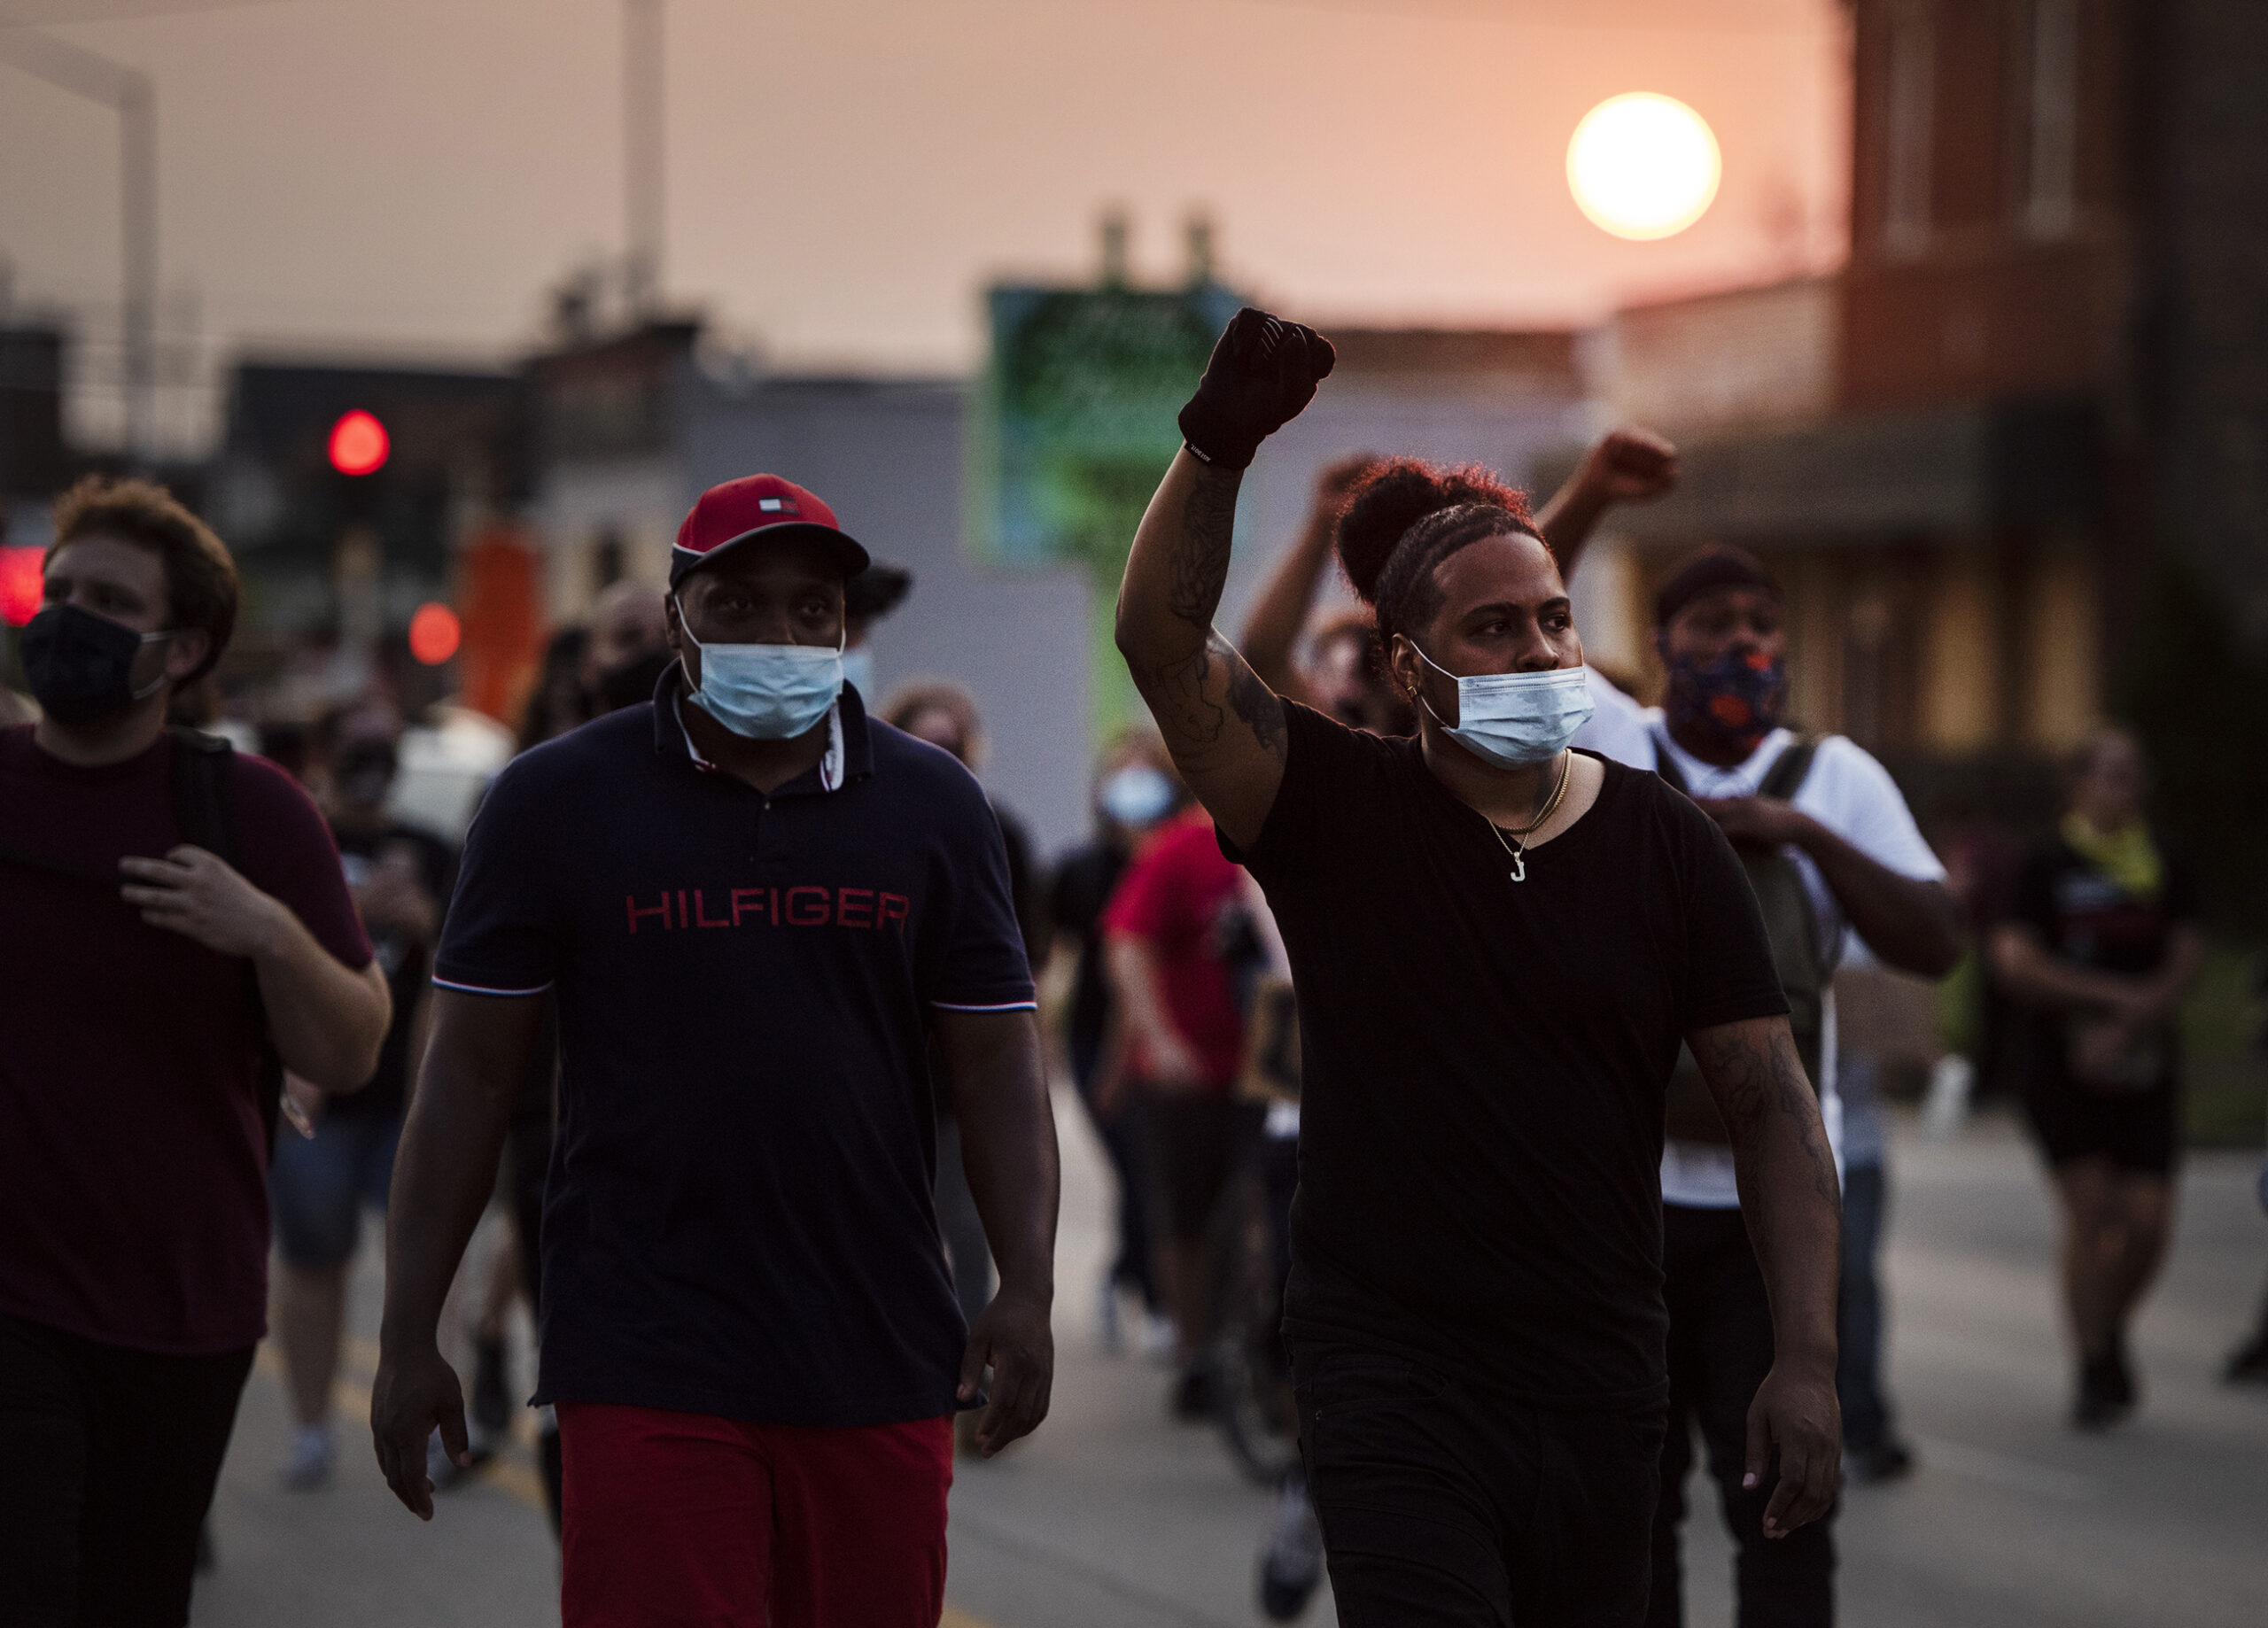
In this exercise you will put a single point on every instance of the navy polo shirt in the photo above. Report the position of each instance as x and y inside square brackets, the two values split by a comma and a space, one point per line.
[737, 1217]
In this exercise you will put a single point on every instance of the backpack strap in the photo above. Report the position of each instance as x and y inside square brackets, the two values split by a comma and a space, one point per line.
[204, 810]
[204, 791]
[1789, 771]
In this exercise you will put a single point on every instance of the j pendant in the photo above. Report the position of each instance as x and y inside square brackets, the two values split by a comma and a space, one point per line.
[1518, 873]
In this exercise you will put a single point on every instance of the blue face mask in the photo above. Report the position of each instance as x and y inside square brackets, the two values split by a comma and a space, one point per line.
[766, 692]
[858, 673]
[1513, 719]
[1136, 796]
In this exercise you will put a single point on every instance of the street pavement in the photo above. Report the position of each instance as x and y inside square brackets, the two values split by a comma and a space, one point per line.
[1114, 1517]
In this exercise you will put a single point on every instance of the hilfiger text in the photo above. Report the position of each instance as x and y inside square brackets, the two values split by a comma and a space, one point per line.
[803, 906]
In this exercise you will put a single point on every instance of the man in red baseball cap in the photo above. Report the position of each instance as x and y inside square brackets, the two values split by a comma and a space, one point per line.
[762, 914]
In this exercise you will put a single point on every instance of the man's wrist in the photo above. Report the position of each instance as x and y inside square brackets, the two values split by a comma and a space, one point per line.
[1813, 1357]
[1036, 1285]
[272, 938]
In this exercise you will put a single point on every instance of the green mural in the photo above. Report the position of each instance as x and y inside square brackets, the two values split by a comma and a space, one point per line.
[1075, 427]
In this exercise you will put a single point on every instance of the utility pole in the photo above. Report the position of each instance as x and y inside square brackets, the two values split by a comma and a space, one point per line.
[129, 93]
[642, 153]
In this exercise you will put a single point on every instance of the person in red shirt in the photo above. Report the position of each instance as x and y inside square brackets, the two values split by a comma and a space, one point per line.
[1173, 931]
[150, 993]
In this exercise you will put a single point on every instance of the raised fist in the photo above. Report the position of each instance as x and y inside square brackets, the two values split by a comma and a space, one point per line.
[1264, 371]
[1629, 466]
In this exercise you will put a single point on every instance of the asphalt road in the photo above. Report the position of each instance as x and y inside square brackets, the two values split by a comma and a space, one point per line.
[1112, 1517]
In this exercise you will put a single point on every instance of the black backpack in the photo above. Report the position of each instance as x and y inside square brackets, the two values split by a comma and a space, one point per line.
[1805, 965]
[204, 810]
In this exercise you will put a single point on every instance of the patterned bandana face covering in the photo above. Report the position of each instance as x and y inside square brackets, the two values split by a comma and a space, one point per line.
[1736, 700]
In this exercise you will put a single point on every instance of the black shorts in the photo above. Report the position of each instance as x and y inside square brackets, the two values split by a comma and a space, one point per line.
[2136, 1131]
[111, 1456]
[1194, 1142]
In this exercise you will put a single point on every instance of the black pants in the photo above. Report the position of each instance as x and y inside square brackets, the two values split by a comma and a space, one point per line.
[110, 1456]
[1443, 1503]
[1720, 1351]
[1121, 1133]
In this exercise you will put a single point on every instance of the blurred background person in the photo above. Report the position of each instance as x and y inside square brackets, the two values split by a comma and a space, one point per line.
[1135, 793]
[1175, 932]
[1326, 659]
[2102, 944]
[868, 598]
[559, 700]
[945, 716]
[628, 649]
[338, 1155]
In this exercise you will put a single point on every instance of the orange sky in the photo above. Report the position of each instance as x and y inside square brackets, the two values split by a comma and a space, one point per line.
[843, 176]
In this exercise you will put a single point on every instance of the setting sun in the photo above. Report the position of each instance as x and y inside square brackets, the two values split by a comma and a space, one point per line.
[1642, 166]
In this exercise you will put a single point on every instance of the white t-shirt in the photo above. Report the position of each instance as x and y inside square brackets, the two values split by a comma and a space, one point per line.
[1845, 790]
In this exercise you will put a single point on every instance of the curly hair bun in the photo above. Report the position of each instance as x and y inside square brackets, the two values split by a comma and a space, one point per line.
[1398, 493]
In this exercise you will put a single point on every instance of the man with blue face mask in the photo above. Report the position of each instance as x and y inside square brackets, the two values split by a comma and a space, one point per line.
[1497, 943]
[760, 911]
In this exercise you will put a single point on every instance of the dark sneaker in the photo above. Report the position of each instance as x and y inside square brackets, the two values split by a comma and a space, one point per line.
[1292, 1564]
[2248, 1364]
[1192, 1395]
[2105, 1393]
[1887, 1460]
[2119, 1374]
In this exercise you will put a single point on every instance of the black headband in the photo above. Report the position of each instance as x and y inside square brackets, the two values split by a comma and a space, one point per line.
[1705, 571]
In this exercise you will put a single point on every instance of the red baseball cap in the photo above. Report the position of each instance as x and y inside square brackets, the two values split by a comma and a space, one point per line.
[760, 506]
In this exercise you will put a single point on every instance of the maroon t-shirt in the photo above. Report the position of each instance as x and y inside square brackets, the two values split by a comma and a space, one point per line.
[133, 1161]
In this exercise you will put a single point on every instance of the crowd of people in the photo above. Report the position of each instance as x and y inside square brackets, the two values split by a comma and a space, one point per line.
[1561, 1163]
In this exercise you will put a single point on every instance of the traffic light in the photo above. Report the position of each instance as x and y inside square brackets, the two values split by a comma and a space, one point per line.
[359, 444]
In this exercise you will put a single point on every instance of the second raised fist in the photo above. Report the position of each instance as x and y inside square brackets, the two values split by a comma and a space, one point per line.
[1264, 371]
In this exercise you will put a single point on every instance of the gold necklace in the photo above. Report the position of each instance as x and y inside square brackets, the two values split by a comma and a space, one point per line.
[1517, 848]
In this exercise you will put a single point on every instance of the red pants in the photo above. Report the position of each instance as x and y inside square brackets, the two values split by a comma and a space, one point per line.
[697, 1522]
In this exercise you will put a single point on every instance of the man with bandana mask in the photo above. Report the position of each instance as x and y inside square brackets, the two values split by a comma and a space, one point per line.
[178, 931]
[760, 911]
[1832, 850]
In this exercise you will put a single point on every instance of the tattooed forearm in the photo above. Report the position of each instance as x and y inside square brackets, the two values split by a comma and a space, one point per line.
[1251, 699]
[1200, 557]
[1757, 1077]
[1189, 719]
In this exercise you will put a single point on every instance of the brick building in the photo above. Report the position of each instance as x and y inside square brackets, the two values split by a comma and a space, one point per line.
[2043, 370]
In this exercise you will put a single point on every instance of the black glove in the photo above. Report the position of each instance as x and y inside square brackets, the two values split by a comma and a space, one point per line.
[1264, 371]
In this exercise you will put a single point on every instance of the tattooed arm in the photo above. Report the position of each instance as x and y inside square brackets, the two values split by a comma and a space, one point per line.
[1223, 726]
[1790, 1198]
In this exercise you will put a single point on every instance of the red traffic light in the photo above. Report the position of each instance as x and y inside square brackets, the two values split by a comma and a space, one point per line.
[359, 444]
[434, 633]
[21, 586]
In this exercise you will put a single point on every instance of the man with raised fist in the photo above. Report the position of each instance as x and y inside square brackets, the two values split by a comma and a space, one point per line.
[1498, 945]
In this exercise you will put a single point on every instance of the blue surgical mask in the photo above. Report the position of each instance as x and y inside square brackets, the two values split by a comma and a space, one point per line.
[858, 673]
[766, 691]
[1513, 719]
[1136, 796]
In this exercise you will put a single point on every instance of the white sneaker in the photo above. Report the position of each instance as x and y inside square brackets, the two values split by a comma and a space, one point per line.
[1292, 1564]
[307, 1466]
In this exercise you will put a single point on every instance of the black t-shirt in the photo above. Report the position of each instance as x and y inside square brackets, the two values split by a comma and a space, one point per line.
[1481, 1135]
[1084, 883]
[737, 1217]
[401, 958]
[2086, 918]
